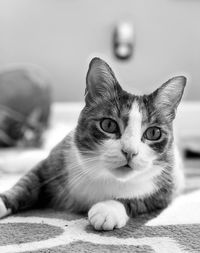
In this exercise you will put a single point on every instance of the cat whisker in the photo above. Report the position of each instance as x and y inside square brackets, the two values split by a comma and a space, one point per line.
[86, 152]
[75, 165]
[78, 173]
[74, 182]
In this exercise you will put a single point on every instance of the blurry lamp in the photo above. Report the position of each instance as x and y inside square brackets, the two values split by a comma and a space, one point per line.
[123, 40]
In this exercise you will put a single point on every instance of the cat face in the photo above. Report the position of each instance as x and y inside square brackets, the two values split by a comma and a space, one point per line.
[123, 135]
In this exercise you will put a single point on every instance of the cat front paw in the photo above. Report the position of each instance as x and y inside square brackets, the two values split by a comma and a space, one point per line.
[3, 210]
[107, 215]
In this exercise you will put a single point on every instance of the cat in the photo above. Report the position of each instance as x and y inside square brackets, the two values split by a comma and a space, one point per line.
[120, 160]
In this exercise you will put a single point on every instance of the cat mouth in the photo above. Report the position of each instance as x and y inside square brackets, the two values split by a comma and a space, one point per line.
[122, 171]
[126, 166]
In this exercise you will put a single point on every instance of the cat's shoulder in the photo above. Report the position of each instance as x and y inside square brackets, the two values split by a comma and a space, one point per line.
[64, 144]
[62, 149]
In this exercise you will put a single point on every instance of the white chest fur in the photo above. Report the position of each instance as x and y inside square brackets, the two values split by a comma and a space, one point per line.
[90, 190]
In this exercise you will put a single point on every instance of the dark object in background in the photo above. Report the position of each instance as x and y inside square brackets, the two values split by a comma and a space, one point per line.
[25, 100]
[192, 154]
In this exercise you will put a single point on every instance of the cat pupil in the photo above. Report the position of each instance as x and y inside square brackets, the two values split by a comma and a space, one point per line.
[153, 133]
[108, 125]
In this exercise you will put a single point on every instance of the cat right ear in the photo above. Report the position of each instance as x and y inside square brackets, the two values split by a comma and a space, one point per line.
[101, 82]
[168, 96]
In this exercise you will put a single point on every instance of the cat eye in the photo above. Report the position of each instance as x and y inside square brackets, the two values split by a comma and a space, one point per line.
[109, 126]
[153, 133]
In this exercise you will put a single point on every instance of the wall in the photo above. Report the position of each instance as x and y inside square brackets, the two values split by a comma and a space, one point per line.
[61, 35]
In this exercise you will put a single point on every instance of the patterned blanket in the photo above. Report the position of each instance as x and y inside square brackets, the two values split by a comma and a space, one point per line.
[174, 230]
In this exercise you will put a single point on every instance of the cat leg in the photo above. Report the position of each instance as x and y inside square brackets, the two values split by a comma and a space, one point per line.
[3, 210]
[107, 215]
[24, 194]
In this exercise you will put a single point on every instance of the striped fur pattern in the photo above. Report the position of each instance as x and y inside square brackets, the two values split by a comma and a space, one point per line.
[120, 160]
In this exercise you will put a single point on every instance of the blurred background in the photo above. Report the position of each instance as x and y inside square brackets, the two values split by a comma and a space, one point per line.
[61, 36]
[45, 48]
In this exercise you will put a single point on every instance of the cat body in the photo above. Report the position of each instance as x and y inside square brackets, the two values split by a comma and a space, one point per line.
[120, 161]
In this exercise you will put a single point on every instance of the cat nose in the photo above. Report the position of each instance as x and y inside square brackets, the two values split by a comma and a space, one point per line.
[129, 154]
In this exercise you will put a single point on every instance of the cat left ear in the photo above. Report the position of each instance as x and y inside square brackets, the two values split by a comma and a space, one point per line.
[100, 81]
[168, 96]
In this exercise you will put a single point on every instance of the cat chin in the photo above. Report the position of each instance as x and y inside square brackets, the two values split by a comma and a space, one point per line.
[125, 173]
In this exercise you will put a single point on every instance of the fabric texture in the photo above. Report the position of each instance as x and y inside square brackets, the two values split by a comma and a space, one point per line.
[175, 229]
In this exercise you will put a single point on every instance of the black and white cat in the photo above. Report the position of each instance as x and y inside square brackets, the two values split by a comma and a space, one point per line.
[119, 161]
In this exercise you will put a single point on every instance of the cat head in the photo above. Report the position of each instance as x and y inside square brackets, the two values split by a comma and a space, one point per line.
[120, 134]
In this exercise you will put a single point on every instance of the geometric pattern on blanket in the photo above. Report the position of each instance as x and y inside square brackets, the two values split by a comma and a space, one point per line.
[175, 229]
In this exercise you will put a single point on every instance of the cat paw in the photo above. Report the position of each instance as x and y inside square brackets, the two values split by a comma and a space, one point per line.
[107, 215]
[3, 210]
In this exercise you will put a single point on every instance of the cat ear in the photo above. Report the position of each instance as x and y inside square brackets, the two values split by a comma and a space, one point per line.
[168, 96]
[100, 81]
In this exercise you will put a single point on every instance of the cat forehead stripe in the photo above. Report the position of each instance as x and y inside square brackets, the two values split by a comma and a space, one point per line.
[132, 133]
